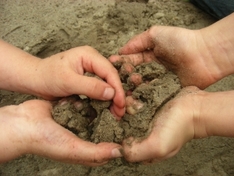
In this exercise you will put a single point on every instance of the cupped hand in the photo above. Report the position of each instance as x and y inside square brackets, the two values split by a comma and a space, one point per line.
[29, 128]
[171, 128]
[63, 75]
[180, 50]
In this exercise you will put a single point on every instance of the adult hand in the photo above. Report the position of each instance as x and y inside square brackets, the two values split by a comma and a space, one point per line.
[171, 128]
[29, 128]
[63, 75]
[187, 53]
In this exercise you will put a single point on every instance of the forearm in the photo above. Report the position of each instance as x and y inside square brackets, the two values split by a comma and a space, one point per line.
[18, 69]
[216, 115]
[219, 39]
[9, 149]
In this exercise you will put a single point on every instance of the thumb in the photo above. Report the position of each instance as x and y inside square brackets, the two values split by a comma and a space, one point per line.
[62, 145]
[91, 87]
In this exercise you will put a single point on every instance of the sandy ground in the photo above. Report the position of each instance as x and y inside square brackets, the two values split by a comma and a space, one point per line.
[44, 28]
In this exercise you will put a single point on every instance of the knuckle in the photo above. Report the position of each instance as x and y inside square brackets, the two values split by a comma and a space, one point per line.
[163, 152]
[152, 30]
[159, 150]
[95, 88]
[160, 153]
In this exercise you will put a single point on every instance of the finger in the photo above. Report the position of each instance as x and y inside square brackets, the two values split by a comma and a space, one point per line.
[133, 106]
[86, 153]
[135, 79]
[126, 69]
[119, 103]
[117, 111]
[98, 89]
[134, 59]
[91, 87]
[137, 44]
[99, 65]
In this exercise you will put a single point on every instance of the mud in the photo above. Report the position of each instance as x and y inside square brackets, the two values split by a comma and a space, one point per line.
[43, 28]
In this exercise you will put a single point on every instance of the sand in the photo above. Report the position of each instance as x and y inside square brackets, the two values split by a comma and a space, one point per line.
[92, 120]
[45, 28]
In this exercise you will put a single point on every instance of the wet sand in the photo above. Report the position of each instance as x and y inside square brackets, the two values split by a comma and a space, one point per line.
[45, 28]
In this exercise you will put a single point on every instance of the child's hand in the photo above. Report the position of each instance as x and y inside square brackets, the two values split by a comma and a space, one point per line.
[171, 128]
[29, 128]
[63, 75]
[179, 50]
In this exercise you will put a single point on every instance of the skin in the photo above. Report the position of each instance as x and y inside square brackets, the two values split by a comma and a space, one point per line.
[61, 75]
[25, 126]
[193, 55]
[32, 130]
[193, 114]
[199, 58]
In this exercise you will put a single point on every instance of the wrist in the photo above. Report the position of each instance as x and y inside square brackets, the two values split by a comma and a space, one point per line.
[21, 70]
[34, 79]
[199, 120]
[37, 83]
[218, 43]
[216, 114]
[12, 139]
[30, 79]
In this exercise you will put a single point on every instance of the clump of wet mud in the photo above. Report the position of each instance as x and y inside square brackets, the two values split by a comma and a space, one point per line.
[92, 120]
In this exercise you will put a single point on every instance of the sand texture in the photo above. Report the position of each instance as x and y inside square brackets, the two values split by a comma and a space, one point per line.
[92, 120]
[43, 28]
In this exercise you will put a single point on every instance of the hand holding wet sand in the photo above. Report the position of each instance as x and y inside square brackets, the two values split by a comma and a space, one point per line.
[29, 127]
[199, 58]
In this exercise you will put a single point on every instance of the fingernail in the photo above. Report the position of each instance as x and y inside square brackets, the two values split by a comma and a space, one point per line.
[116, 153]
[108, 93]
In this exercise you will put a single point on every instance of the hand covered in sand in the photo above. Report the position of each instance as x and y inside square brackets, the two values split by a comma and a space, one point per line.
[170, 129]
[192, 114]
[176, 48]
[29, 128]
[198, 57]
